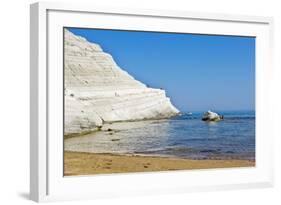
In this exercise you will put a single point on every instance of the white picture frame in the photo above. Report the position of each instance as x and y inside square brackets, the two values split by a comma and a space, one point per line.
[46, 179]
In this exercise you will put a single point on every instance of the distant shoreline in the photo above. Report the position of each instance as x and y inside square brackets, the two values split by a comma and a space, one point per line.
[83, 163]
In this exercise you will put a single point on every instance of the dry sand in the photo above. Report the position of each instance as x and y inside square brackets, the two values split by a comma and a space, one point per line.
[78, 163]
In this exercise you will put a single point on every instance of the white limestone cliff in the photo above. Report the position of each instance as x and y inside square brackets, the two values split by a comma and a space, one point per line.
[98, 91]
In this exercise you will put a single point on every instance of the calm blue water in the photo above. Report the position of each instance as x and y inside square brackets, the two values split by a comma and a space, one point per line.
[184, 136]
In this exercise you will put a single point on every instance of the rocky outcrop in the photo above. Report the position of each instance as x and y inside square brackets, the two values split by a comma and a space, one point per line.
[97, 90]
[211, 116]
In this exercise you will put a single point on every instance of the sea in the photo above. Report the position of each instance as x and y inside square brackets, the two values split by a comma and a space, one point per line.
[184, 136]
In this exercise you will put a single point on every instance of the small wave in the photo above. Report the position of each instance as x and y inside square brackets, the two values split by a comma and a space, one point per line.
[215, 151]
[195, 153]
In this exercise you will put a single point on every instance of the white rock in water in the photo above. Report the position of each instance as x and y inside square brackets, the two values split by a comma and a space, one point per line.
[97, 90]
[211, 116]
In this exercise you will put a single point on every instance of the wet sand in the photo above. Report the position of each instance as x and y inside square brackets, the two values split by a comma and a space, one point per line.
[79, 163]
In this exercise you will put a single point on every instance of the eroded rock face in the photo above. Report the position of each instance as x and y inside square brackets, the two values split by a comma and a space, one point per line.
[97, 90]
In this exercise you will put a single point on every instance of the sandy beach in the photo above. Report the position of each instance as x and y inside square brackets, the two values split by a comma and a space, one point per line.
[79, 163]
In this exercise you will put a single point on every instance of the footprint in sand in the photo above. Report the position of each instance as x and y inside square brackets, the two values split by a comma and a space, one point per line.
[146, 165]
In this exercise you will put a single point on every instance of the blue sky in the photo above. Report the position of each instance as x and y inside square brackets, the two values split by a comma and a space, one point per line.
[198, 72]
